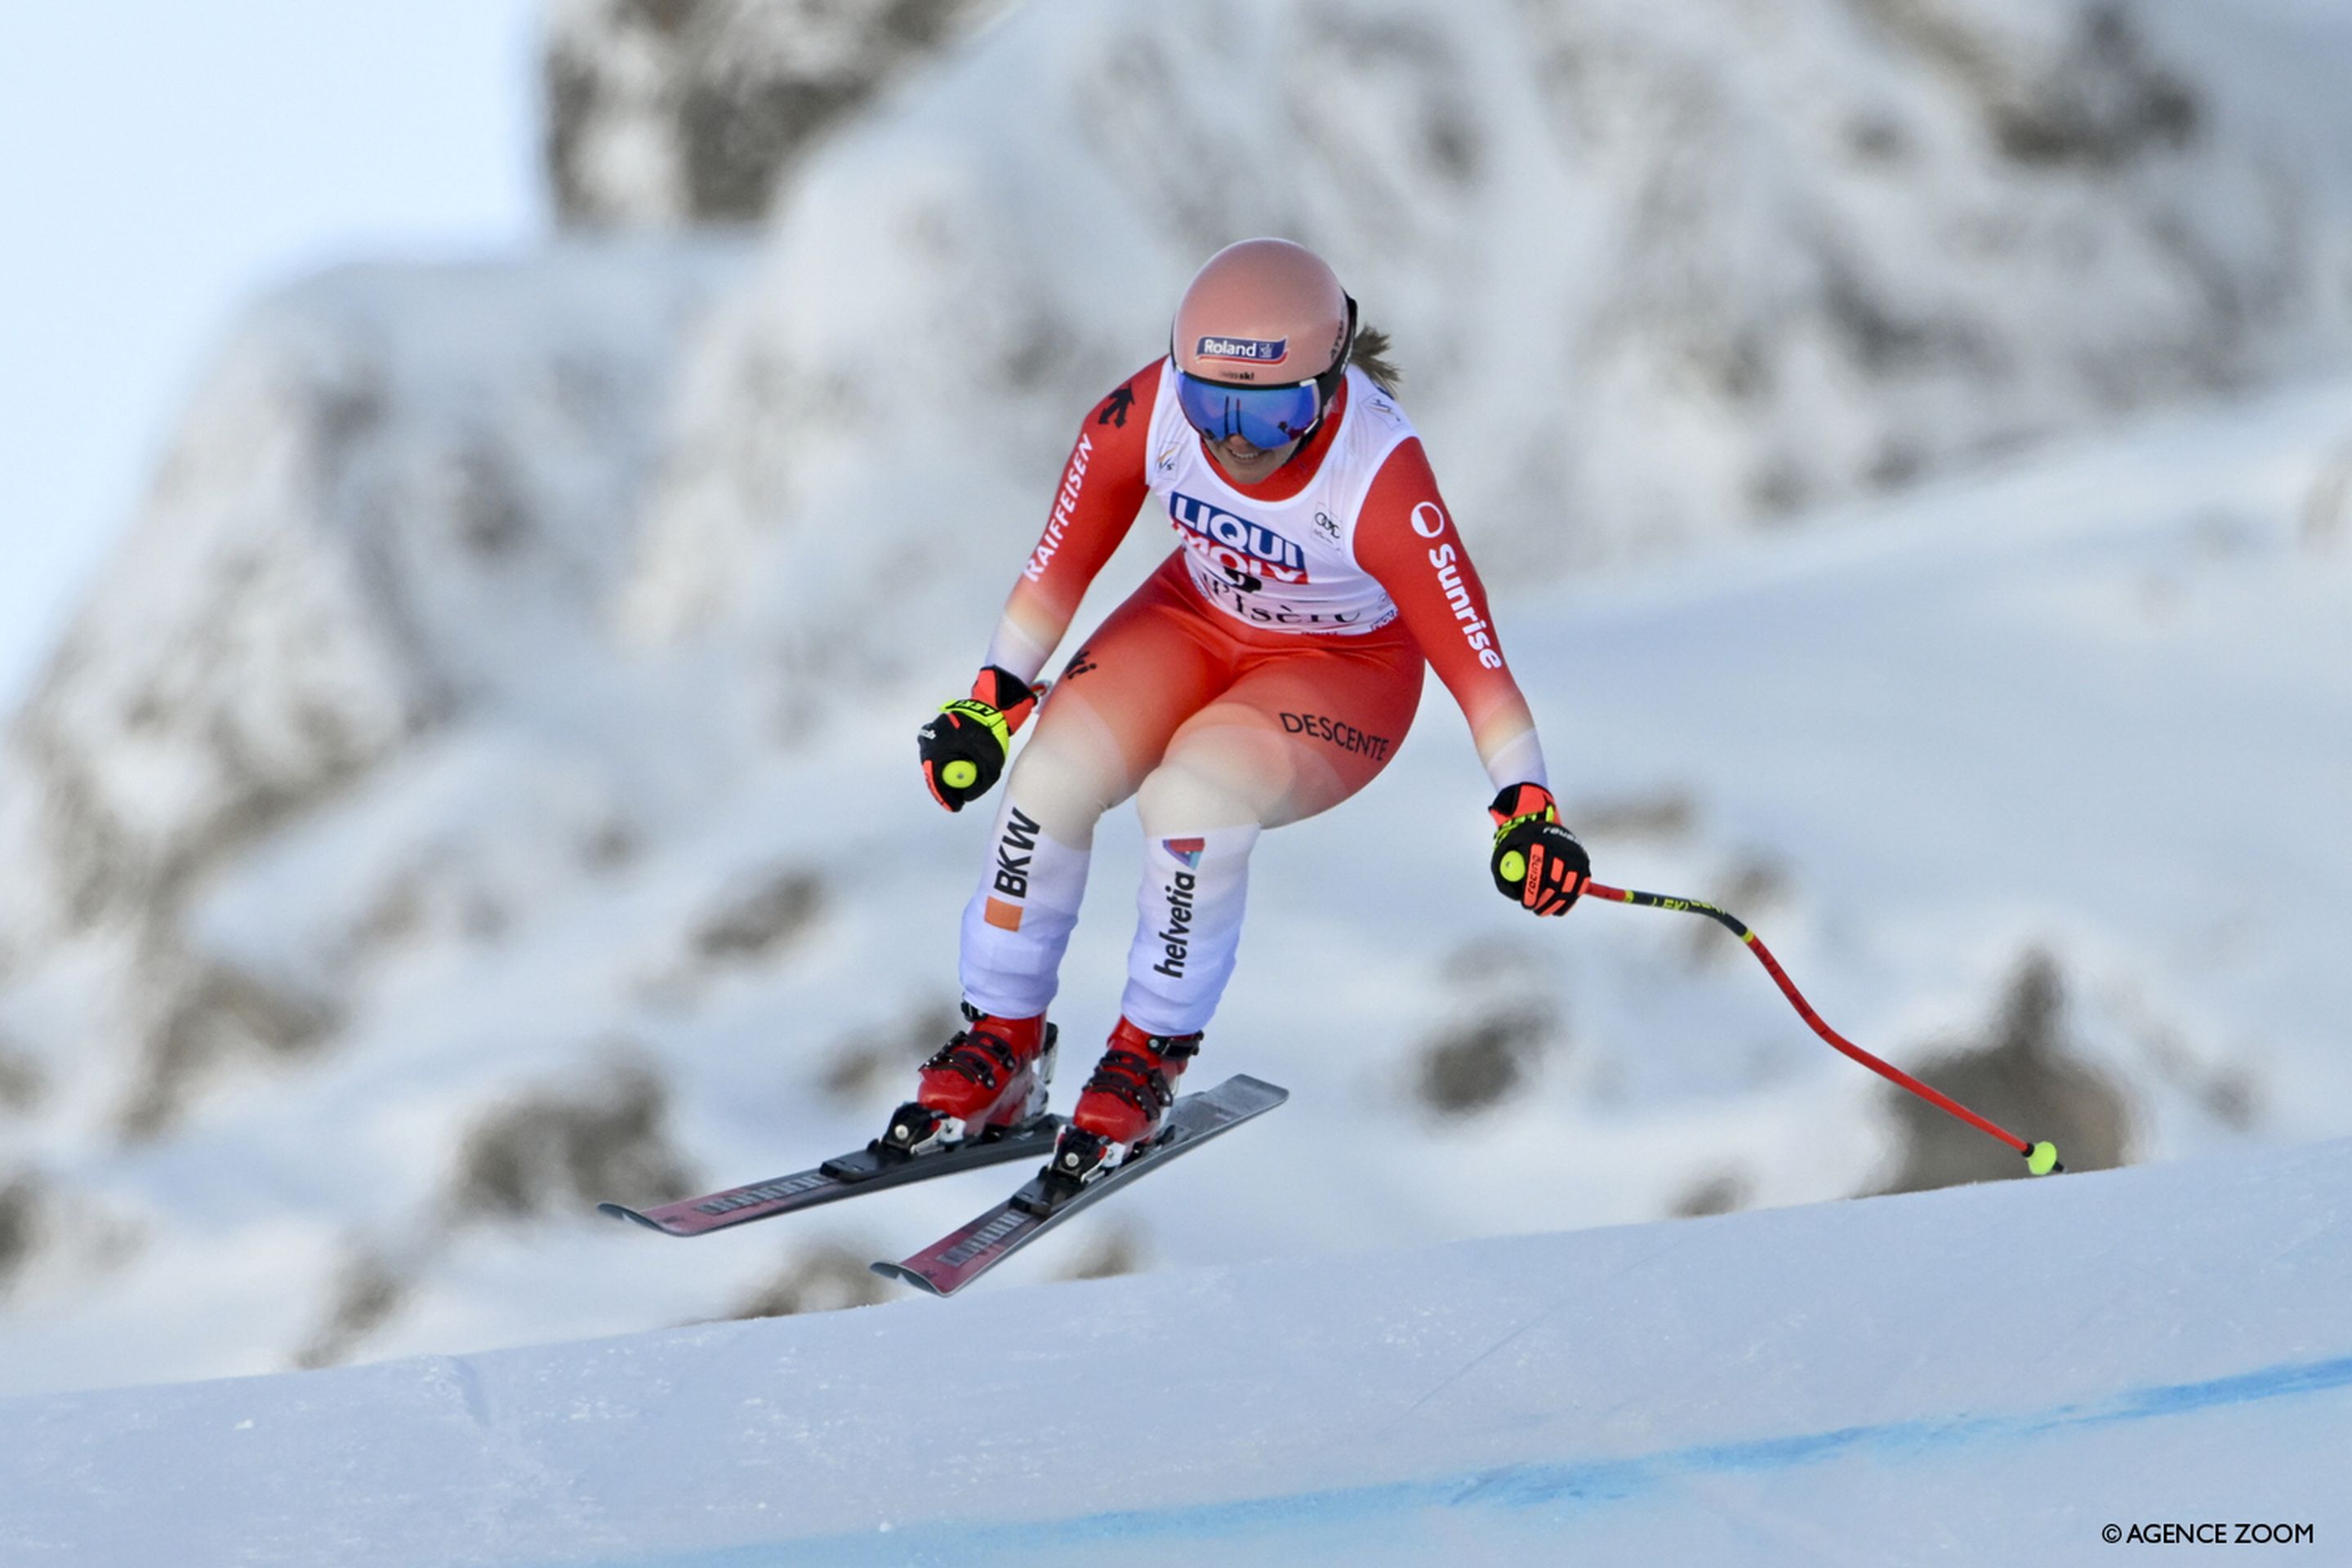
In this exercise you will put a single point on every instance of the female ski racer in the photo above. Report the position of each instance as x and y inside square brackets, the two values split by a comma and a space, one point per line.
[1266, 672]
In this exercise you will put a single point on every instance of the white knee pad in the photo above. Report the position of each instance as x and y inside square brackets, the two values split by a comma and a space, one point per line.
[1066, 777]
[1190, 794]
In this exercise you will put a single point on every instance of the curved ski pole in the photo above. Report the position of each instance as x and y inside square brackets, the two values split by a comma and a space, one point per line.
[2042, 1159]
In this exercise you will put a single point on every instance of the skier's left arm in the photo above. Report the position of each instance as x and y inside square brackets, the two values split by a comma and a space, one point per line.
[1406, 539]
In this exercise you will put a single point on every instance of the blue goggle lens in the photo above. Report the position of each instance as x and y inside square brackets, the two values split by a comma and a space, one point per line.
[1261, 416]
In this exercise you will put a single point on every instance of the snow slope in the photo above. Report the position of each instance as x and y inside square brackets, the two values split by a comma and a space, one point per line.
[1977, 1374]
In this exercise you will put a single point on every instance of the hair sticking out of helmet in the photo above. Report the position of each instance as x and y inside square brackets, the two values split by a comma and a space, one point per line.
[1262, 315]
[1371, 352]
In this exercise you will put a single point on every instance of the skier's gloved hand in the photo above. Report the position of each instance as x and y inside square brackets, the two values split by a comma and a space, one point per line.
[963, 750]
[1538, 864]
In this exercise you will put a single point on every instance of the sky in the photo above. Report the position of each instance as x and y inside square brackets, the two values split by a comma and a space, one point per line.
[161, 165]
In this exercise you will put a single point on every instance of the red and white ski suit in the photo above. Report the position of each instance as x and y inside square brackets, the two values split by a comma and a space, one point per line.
[1266, 671]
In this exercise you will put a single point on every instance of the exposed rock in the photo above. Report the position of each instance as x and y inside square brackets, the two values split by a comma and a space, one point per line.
[1753, 887]
[611, 845]
[1727, 1193]
[756, 924]
[1667, 813]
[365, 1295]
[670, 112]
[1509, 1020]
[22, 1080]
[215, 1014]
[22, 1205]
[558, 1148]
[2023, 1074]
[2083, 87]
[1111, 1252]
[826, 1278]
[76, 1238]
[878, 1064]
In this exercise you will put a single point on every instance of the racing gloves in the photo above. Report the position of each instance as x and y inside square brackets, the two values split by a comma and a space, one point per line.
[1538, 864]
[963, 750]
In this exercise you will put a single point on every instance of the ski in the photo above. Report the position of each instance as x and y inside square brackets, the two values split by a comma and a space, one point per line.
[958, 1259]
[869, 1170]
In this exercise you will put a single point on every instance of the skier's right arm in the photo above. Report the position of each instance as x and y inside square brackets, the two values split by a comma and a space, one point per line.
[964, 749]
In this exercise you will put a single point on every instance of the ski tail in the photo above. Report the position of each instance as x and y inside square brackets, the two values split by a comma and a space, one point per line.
[869, 1170]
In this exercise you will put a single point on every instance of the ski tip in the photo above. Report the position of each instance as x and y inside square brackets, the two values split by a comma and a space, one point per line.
[905, 1275]
[619, 1211]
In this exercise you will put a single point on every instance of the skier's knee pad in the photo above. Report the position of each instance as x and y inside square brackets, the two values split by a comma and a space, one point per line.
[1061, 787]
[1182, 797]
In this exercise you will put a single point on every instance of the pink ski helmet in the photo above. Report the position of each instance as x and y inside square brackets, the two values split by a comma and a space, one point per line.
[1260, 342]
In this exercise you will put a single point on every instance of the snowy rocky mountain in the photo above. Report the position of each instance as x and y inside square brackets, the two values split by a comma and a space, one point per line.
[1656, 273]
[400, 504]
[481, 786]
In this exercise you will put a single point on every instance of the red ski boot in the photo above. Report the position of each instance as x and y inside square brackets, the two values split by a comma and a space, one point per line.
[1125, 1101]
[989, 1076]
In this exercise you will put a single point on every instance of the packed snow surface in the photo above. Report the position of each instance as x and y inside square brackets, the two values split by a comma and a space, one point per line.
[1982, 1373]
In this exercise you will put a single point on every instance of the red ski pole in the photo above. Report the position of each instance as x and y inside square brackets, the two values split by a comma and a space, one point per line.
[2041, 1159]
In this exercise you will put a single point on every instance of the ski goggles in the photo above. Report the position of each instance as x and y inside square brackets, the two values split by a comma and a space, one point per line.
[1267, 417]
